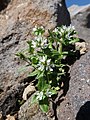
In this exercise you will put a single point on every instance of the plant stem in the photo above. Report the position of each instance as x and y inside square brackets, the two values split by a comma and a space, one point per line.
[47, 77]
[60, 50]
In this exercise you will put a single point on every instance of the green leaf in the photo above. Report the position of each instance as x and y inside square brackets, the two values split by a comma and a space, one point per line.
[21, 55]
[33, 99]
[40, 53]
[63, 73]
[65, 53]
[47, 51]
[74, 40]
[44, 105]
[40, 75]
[46, 86]
[50, 33]
[55, 52]
[53, 91]
[57, 88]
[41, 84]
[34, 60]
[34, 73]
[30, 46]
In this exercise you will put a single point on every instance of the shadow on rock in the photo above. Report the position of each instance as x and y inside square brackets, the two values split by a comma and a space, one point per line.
[3, 4]
[12, 99]
[84, 112]
[63, 16]
[88, 21]
[60, 98]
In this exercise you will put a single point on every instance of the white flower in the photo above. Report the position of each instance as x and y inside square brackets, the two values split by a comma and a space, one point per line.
[70, 28]
[41, 67]
[55, 30]
[68, 36]
[64, 27]
[42, 27]
[34, 44]
[39, 95]
[35, 28]
[39, 38]
[48, 93]
[48, 61]
[43, 42]
[43, 59]
[50, 69]
[62, 31]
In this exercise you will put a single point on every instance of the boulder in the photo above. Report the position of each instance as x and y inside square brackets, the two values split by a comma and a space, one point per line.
[77, 101]
[79, 90]
[77, 87]
[81, 20]
[1, 118]
[30, 111]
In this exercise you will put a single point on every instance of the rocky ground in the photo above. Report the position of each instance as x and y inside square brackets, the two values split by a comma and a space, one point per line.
[17, 18]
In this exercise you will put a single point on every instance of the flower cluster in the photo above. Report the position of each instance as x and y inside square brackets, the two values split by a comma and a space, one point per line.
[65, 33]
[44, 64]
[39, 41]
[45, 55]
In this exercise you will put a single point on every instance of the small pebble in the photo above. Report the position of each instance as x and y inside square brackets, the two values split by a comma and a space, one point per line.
[88, 82]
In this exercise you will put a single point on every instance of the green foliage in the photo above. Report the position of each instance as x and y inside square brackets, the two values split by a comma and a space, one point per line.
[45, 55]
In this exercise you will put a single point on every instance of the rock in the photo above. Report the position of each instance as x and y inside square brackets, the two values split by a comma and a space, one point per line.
[81, 46]
[79, 88]
[30, 112]
[3, 4]
[9, 101]
[80, 74]
[75, 9]
[17, 18]
[81, 20]
[1, 118]
[28, 91]
[9, 117]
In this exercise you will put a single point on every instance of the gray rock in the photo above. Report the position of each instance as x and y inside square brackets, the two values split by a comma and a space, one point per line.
[80, 89]
[79, 84]
[78, 94]
[9, 100]
[30, 112]
[81, 20]
[1, 118]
